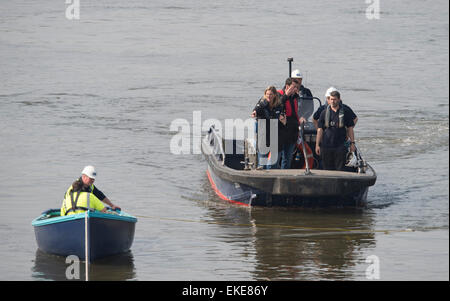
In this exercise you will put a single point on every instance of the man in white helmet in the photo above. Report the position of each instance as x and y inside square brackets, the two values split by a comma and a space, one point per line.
[335, 126]
[305, 102]
[85, 184]
[323, 107]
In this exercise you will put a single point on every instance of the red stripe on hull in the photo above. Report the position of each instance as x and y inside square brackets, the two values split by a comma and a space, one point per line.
[220, 194]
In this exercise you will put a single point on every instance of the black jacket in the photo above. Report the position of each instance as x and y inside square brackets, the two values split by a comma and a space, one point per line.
[289, 133]
[263, 111]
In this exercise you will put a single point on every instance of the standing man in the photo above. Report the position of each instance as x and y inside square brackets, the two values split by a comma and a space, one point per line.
[305, 102]
[83, 191]
[288, 133]
[335, 124]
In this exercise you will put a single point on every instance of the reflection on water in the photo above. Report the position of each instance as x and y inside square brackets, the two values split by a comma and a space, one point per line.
[307, 253]
[297, 244]
[113, 268]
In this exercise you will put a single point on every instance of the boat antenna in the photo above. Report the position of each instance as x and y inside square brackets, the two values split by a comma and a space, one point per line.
[290, 60]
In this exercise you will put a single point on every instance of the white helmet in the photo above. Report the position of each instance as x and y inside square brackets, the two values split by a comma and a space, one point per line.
[352, 160]
[296, 74]
[89, 171]
[328, 92]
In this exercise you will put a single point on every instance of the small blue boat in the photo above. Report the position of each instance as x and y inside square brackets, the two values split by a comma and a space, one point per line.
[108, 233]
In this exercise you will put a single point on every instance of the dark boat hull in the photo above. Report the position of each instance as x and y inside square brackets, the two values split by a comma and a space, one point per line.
[248, 196]
[108, 235]
[279, 187]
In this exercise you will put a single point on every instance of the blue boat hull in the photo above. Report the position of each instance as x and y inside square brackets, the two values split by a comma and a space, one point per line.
[108, 234]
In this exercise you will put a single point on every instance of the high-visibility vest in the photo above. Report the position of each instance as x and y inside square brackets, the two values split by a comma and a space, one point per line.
[77, 201]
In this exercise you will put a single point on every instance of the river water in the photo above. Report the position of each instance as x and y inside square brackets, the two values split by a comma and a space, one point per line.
[104, 89]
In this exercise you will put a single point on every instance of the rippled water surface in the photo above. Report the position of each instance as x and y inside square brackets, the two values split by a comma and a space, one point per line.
[104, 89]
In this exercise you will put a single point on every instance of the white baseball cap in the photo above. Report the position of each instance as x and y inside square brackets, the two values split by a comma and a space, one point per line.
[296, 74]
[89, 171]
[328, 92]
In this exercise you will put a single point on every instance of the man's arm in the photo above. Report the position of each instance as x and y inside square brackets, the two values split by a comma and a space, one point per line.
[97, 192]
[316, 116]
[316, 123]
[350, 120]
[320, 127]
[351, 136]
[109, 203]
[318, 140]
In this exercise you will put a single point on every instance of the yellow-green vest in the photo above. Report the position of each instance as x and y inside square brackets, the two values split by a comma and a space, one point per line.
[77, 202]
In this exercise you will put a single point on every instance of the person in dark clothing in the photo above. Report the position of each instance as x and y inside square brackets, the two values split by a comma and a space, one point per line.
[289, 134]
[334, 126]
[269, 107]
